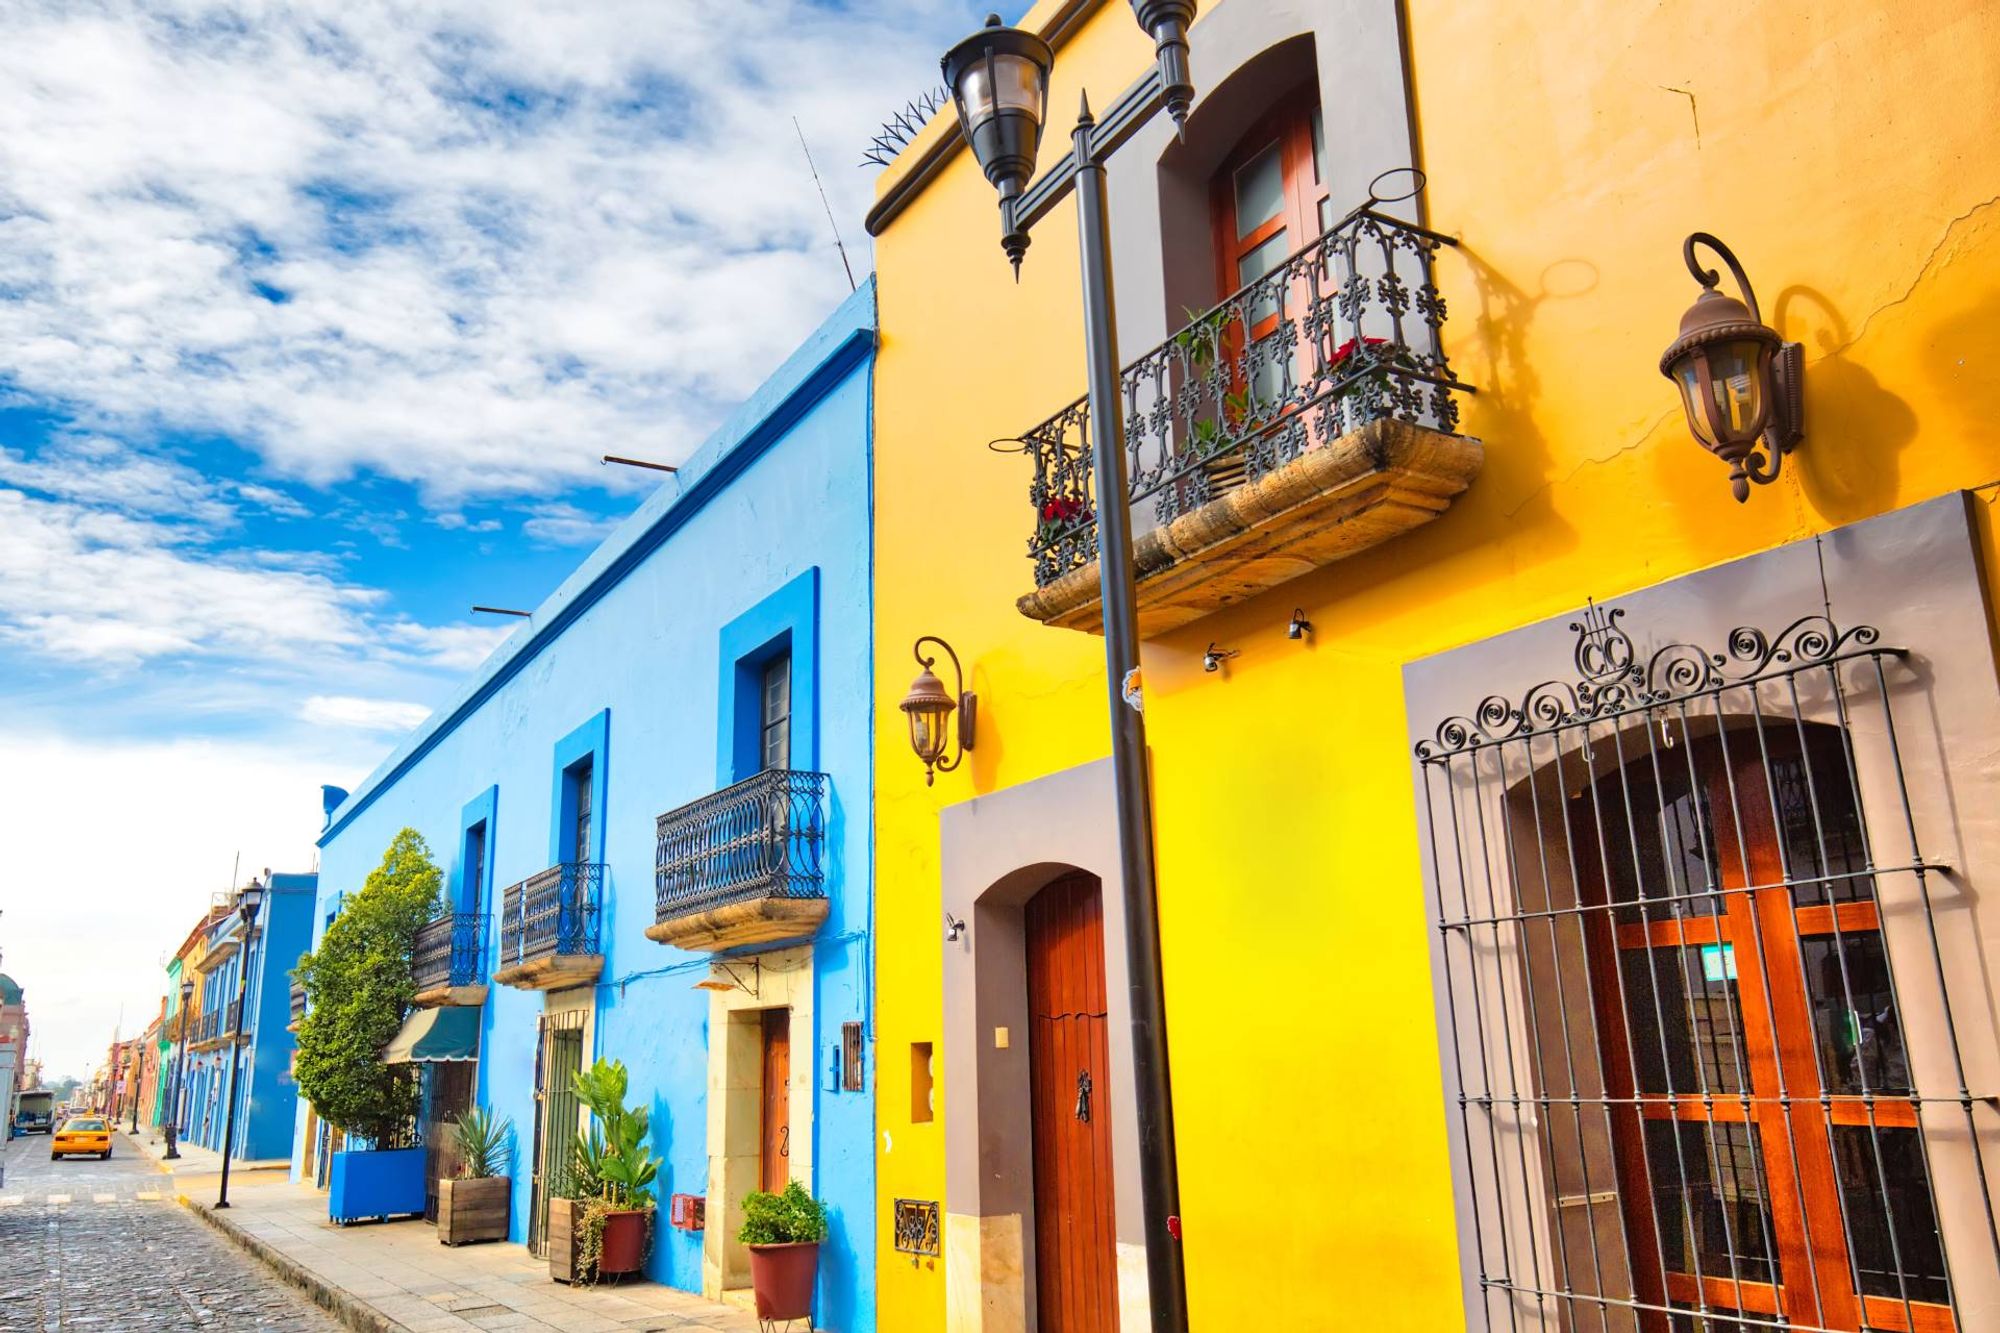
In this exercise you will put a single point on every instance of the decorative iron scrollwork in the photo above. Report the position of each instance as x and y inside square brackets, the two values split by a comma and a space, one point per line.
[1611, 680]
[917, 1228]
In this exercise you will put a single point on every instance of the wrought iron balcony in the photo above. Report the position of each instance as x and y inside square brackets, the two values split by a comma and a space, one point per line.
[743, 866]
[450, 960]
[1309, 415]
[548, 928]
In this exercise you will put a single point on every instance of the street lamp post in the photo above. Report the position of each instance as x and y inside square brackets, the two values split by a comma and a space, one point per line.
[138, 1064]
[999, 80]
[174, 1083]
[252, 898]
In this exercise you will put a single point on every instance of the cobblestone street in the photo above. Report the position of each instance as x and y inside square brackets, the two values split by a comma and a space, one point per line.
[101, 1245]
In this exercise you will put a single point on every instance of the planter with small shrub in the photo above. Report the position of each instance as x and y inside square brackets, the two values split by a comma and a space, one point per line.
[474, 1204]
[784, 1232]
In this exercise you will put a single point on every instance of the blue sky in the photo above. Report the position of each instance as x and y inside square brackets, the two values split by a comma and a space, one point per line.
[315, 319]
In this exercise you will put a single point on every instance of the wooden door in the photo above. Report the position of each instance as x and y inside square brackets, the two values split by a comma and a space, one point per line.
[1769, 1152]
[1069, 1069]
[775, 1119]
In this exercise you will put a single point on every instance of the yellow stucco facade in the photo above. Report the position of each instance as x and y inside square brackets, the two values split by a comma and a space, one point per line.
[1836, 145]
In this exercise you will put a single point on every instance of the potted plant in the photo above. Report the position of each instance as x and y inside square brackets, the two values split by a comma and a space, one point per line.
[783, 1232]
[564, 1242]
[473, 1205]
[359, 984]
[615, 1224]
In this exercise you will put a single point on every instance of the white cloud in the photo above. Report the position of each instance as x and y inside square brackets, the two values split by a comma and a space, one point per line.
[184, 811]
[469, 244]
[341, 710]
[453, 647]
[563, 524]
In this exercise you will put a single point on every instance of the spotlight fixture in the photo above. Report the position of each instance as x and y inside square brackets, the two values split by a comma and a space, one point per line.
[953, 928]
[1213, 659]
[1300, 626]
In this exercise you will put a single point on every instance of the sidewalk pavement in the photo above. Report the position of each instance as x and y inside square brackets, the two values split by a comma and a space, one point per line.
[395, 1277]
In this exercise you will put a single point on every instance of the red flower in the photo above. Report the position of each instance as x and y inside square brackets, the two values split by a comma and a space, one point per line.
[1348, 348]
[1060, 510]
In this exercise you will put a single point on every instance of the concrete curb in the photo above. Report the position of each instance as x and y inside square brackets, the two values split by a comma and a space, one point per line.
[350, 1309]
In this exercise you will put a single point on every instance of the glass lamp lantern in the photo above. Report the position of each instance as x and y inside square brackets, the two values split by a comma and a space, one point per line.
[250, 900]
[999, 81]
[1739, 382]
[929, 706]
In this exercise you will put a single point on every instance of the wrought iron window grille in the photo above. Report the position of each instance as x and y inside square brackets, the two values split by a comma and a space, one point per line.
[1735, 1138]
[764, 837]
[1347, 331]
[552, 912]
[917, 1229]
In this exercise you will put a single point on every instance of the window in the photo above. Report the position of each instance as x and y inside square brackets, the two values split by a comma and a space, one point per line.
[474, 885]
[579, 778]
[1675, 1024]
[1270, 199]
[775, 728]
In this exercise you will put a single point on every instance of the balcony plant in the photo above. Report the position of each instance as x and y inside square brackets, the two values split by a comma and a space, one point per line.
[784, 1232]
[615, 1227]
[359, 985]
[474, 1204]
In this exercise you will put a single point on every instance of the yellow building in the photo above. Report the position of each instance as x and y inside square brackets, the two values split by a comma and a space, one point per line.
[1696, 924]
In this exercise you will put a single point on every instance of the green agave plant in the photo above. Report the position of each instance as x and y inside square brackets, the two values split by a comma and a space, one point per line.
[481, 1138]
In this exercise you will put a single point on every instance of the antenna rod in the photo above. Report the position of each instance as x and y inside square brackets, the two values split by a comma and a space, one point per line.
[502, 611]
[837, 243]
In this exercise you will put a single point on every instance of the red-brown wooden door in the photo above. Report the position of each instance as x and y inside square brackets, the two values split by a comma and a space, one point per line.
[774, 1155]
[1076, 1289]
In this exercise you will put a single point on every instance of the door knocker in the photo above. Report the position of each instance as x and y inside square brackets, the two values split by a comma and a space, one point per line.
[784, 1140]
[1083, 1095]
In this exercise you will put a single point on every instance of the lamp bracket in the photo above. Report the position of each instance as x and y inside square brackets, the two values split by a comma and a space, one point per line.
[1708, 277]
[968, 704]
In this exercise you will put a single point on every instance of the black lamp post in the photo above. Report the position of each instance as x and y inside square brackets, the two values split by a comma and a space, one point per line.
[138, 1072]
[251, 899]
[180, 1065]
[999, 80]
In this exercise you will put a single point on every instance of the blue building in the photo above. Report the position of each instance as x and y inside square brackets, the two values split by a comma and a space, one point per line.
[251, 974]
[653, 805]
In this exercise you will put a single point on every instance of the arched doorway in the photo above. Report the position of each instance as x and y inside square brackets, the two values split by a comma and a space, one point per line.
[1069, 1067]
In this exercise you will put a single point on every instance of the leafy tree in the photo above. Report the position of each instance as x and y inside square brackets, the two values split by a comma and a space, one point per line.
[358, 986]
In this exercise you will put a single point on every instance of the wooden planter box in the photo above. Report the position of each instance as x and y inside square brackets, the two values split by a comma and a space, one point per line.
[470, 1210]
[564, 1240]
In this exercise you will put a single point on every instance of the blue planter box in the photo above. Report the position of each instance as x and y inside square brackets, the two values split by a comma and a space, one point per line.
[383, 1184]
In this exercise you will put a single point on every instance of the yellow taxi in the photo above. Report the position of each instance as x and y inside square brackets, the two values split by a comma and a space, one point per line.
[80, 1137]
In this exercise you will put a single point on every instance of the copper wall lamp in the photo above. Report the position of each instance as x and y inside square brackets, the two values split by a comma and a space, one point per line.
[929, 707]
[1741, 384]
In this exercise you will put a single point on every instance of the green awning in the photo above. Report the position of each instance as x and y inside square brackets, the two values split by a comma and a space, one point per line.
[430, 1036]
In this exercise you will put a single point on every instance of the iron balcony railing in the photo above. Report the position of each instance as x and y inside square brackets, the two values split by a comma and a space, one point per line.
[1345, 332]
[762, 838]
[232, 1020]
[204, 1028]
[451, 951]
[552, 912]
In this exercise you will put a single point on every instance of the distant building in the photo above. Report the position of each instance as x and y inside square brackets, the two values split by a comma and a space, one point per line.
[240, 1014]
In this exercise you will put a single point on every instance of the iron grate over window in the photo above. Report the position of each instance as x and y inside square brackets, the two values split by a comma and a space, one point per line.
[1694, 1004]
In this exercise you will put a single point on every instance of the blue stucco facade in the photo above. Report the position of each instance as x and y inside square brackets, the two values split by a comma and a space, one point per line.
[266, 1100]
[641, 679]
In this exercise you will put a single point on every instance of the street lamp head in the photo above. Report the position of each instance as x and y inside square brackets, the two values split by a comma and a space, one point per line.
[999, 81]
[1166, 22]
[187, 993]
[249, 901]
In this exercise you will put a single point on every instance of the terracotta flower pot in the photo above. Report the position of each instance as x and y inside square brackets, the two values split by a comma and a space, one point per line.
[782, 1276]
[622, 1249]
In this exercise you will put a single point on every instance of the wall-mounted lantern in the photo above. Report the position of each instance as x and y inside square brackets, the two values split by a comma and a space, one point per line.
[1740, 383]
[929, 706]
[1213, 659]
[1300, 626]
